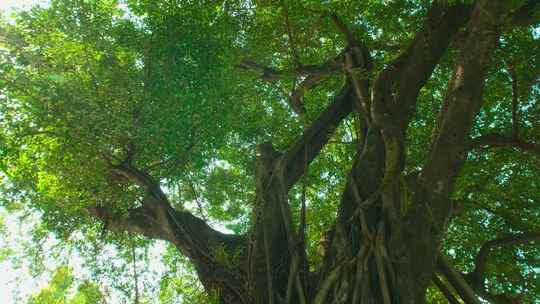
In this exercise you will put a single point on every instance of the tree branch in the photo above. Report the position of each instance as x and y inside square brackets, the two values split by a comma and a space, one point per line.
[476, 278]
[445, 290]
[512, 223]
[134, 221]
[297, 94]
[192, 236]
[461, 105]
[493, 140]
[313, 74]
[400, 82]
[140, 178]
[344, 29]
[406, 75]
[456, 280]
[396, 89]
[276, 173]
[300, 154]
[478, 274]
[271, 74]
[357, 58]
[156, 219]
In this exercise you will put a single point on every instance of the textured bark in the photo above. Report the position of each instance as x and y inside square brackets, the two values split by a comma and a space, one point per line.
[375, 233]
[273, 242]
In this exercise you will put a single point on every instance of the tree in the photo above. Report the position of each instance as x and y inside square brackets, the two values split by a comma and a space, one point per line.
[350, 147]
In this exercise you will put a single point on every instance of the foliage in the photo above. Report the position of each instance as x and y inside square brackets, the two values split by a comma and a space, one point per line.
[180, 283]
[87, 84]
[60, 288]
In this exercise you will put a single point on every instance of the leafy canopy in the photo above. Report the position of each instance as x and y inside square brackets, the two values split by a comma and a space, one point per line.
[87, 84]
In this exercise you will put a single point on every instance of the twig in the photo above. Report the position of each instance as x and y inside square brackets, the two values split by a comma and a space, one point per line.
[289, 33]
[196, 194]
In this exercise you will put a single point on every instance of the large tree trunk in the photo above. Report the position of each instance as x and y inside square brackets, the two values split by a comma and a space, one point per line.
[384, 245]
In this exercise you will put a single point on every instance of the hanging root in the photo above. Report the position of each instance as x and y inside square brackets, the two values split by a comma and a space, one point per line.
[383, 282]
[332, 277]
[361, 261]
[268, 267]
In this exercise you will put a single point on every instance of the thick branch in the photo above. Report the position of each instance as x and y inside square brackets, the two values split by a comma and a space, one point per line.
[270, 74]
[393, 102]
[406, 75]
[478, 273]
[476, 278]
[274, 238]
[156, 219]
[461, 104]
[304, 149]
[133, 221]
[472, 284]
[192, 236]
[140, 178]
[298, 93]
[396, 89]
[493, 140]
[512, 222]
[342, 27]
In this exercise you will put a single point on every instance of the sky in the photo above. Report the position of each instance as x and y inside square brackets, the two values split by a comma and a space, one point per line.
[6, 5]
[16, 279]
